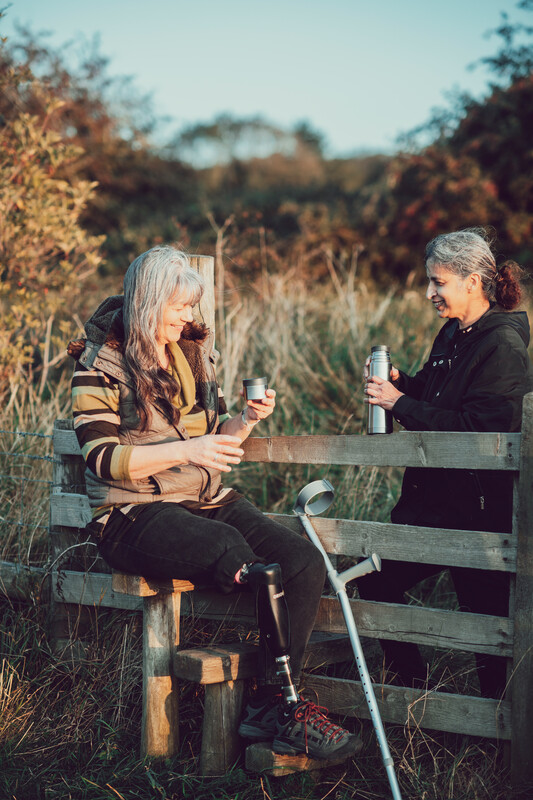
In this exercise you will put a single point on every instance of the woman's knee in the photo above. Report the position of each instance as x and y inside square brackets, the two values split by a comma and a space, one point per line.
[305, 563]
[315, 561]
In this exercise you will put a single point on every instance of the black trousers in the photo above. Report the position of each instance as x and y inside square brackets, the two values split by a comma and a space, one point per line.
[478, 591]
[166, 540]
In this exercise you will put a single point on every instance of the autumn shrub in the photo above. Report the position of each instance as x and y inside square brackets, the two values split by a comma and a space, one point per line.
[45, 255]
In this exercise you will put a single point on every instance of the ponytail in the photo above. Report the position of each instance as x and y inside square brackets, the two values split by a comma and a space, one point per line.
[507, 287]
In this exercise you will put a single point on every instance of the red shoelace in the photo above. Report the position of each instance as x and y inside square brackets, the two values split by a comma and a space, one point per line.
[308, 712]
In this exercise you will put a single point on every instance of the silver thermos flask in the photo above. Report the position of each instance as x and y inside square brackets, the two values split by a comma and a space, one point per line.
[379, 420]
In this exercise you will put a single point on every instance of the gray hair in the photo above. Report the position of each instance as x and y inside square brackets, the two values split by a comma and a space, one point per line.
[151, 281]
[463, 253]
[468, 251]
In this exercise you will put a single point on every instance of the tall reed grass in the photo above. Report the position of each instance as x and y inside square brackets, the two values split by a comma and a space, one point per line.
[311, 343]
[70, 728]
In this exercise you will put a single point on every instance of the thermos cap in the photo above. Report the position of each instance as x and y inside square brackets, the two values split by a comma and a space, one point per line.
[254, 381]
[377, 347]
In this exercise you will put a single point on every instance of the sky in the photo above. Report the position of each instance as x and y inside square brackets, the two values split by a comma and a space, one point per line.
[362, 72]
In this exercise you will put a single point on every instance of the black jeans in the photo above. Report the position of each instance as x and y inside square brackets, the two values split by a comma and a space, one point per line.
[478, 591]
[166, 540]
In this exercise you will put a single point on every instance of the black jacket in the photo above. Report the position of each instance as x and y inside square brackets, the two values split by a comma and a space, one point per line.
[474, 380]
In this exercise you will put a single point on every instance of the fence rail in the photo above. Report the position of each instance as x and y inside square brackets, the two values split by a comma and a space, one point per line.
[452, 548]
[499, 451]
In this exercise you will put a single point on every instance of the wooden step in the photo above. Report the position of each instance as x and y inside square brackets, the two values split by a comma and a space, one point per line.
[260, 758]
[230, 662]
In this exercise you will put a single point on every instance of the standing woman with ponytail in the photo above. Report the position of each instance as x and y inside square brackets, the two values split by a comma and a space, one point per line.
[474, 380]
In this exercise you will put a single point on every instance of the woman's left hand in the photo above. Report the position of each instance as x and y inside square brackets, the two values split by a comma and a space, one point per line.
[261, 409]
[381, 393]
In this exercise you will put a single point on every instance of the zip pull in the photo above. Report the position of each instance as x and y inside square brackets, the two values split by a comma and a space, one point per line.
[482, 503]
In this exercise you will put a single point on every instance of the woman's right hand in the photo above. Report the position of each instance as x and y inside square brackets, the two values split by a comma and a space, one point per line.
[394, 373]
[214, 451]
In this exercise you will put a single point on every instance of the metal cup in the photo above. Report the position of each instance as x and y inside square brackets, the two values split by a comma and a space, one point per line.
[254, 388]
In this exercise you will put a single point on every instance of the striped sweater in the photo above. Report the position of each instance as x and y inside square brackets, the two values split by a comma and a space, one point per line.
[95, 402]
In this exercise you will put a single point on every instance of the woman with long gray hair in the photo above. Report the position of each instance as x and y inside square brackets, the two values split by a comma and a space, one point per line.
[474, 380]
[156, 436]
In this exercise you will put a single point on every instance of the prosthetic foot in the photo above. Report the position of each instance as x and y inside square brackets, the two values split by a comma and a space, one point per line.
[272, 618]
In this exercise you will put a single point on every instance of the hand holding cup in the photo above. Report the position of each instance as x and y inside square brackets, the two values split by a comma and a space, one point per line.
[259, 398]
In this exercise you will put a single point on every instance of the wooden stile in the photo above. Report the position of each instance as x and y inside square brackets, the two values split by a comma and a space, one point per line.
[80, 579]
[441, 629]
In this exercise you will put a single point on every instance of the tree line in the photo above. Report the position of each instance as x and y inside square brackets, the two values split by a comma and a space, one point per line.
[83, 188]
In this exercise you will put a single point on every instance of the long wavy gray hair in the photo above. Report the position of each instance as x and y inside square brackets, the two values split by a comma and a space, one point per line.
[151, 281]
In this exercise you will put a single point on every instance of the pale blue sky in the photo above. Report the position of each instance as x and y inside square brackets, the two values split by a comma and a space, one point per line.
[360, 71]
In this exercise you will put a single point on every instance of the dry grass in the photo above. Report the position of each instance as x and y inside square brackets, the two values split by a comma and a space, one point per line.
[26, 469]
[71, 727]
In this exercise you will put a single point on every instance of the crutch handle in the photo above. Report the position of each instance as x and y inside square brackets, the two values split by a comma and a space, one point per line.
[370, 564]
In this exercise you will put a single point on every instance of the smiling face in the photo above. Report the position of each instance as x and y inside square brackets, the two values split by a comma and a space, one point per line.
[449, 293]
[175, 315]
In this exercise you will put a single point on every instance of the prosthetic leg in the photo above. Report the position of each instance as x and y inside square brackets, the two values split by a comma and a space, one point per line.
[301, 727]
[273, 619]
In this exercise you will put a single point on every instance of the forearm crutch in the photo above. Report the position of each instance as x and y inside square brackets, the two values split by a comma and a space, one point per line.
[313, 499]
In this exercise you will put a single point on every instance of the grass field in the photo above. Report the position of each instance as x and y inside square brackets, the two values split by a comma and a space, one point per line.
[71, 729]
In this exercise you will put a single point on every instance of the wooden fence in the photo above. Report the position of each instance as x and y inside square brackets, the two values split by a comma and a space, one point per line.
[511, 637]
[510, 719]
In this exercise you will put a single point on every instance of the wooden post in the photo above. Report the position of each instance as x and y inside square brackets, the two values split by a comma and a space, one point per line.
[206, 267]
[522, 680]
[221, 745]
[160, 729]
[67, 621]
